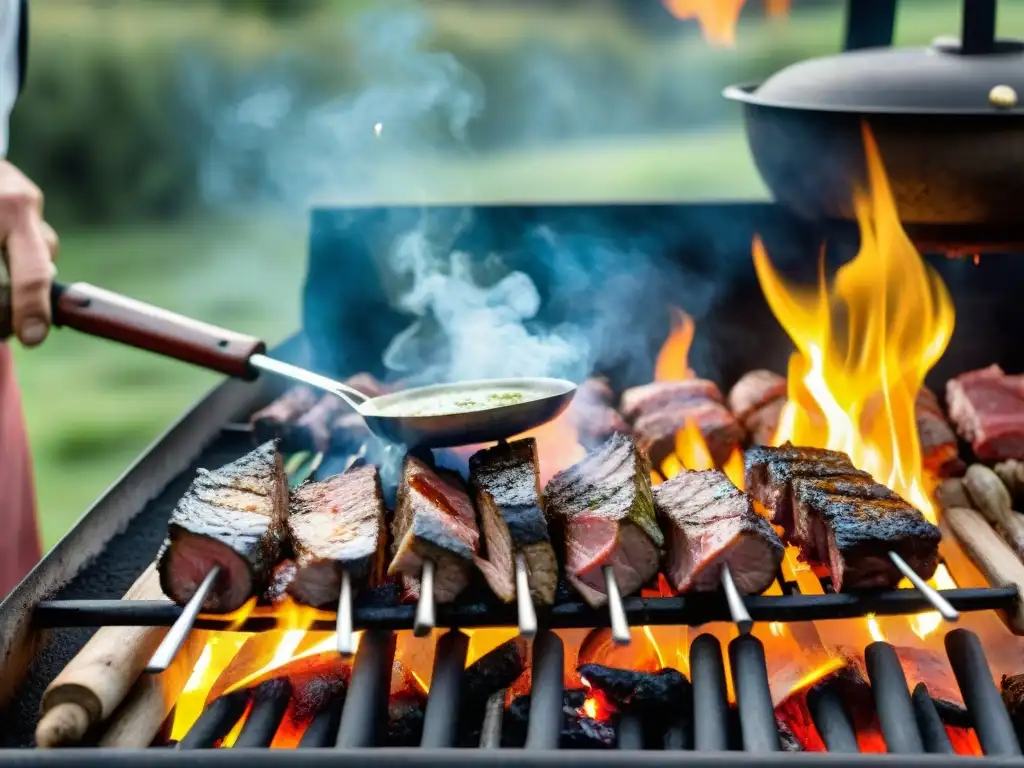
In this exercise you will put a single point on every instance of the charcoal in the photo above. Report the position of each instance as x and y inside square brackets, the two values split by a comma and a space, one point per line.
[1013, 697]
[953, 714]
[648, 694]
[578, 730]
[788, 739]
[493, 671]
[406, 711]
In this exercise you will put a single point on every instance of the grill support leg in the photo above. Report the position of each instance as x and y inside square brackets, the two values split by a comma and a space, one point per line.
[544, 729]
[366, 704]
[933, 732]
[892, 700]
[710, 704]
[441, 718]
[753, 697]
[832, 720]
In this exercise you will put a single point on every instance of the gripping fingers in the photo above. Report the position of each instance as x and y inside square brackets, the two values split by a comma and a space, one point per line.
[31, 276]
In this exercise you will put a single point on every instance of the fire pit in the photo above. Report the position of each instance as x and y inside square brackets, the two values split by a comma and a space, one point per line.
[647, 296]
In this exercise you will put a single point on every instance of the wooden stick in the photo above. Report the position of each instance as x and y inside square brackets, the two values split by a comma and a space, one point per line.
[992, 499]
[990, 553]
[137, 721]
[94, 683]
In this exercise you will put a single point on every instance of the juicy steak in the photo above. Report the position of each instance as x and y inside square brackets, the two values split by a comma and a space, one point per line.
[434, 520]
[711, 524]
[506, 485]
[659, 410]
[987, 407]
[605, 511]
[840, 517]
[757, 400]
[593, 413]
[335, 525]
[233, 517]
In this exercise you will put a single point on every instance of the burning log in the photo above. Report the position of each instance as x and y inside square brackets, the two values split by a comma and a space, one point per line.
[991, 554]
[93, 685]
[992, 499]
[656, 699]
[659, 410]
[579, 730]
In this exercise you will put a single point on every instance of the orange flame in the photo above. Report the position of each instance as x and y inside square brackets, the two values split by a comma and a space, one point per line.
[673, 357]
[718, 19]
[864, 345]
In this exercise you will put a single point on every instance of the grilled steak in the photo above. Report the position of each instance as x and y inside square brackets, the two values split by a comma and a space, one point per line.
[839, 516]
[659, 410]
[593, 414]
[275, 421]
[434, 520]
[940, 452]
[711, 524]
[506, 485]
[769, 472]
[233, 517]
[757, 400]
[605, 513]
[337, 524]
[987, 407]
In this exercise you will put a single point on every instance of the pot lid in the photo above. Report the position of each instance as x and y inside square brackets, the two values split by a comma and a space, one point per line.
[939, 79]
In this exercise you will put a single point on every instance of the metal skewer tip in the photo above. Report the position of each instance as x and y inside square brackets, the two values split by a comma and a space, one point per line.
[176, 635]
[346, 642]
[524, 602]
[737, 608]
[424, 622]
[617, 614]
[939, 603]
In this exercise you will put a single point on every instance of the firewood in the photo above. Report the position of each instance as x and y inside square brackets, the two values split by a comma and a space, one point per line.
[94, 683]
[990, 553]
[1011, 472]
[991, 498]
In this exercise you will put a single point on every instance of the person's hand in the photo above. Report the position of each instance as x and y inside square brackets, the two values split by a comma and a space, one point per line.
[31, 247]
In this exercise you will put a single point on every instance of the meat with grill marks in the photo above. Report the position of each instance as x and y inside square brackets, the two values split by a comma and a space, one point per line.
[232, 517]
[659, 410]
[604, 512]
[337, 525]
[710, 524]
[506, 485]
[838, 516]
[434, 520]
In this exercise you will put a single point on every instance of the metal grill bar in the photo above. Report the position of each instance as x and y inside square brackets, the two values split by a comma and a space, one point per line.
[545, 724]
[441, 720]
[631, 733]
[710, 704]
[216, 721]
[892, 699]
[832, 720]
[991, 721]
[270, 700]
[933, 732]
[692, 610]
[753, 696]
[323, 729]
[363, 719]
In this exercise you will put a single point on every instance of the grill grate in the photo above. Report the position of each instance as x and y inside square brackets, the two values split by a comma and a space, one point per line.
[910, 723]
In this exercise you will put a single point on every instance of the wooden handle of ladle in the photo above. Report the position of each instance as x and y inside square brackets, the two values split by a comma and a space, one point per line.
[109, 315]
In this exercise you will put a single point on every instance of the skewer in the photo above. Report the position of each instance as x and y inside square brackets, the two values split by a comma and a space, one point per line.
[620, 626]
[941, 604]
[346, 645]
[737, 608]
[527, 614]
[178, 632]
[423, 622]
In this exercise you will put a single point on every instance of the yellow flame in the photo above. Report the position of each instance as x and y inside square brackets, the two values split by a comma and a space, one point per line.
[864, 345]
[923, 624]
[874, 630]
[815, 675]
[673, 357]
[655, 646]
[777, 628]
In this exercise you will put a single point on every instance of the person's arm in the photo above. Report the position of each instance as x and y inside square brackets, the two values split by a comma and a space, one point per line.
[29, 244]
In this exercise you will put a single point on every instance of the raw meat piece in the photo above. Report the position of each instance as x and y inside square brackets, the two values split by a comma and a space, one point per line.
[335, 525]
[604, 508]
[506, 486]
[987, 407]
[711, 524]
[233, 517]
[434, 520]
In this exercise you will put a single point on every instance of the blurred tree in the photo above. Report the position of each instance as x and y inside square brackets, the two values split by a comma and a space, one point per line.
[275, 9]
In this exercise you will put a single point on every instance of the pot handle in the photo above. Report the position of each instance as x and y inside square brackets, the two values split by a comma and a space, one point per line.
[869, 24]
[109, 315]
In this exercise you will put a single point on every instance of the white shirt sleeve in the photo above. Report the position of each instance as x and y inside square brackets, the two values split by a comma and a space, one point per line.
[9, 10]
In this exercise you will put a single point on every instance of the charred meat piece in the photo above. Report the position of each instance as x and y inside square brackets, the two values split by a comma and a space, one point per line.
[233, 517]
[275, 421]
[434, 520]
[337, 525]
[757, 400]
[593, 413]
[506, 485]
[711, 524]
[605, 512]
[843, 518]
[659, 410]
[769, 472]
[987, 407]
[1012, 688]
[939, 450]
